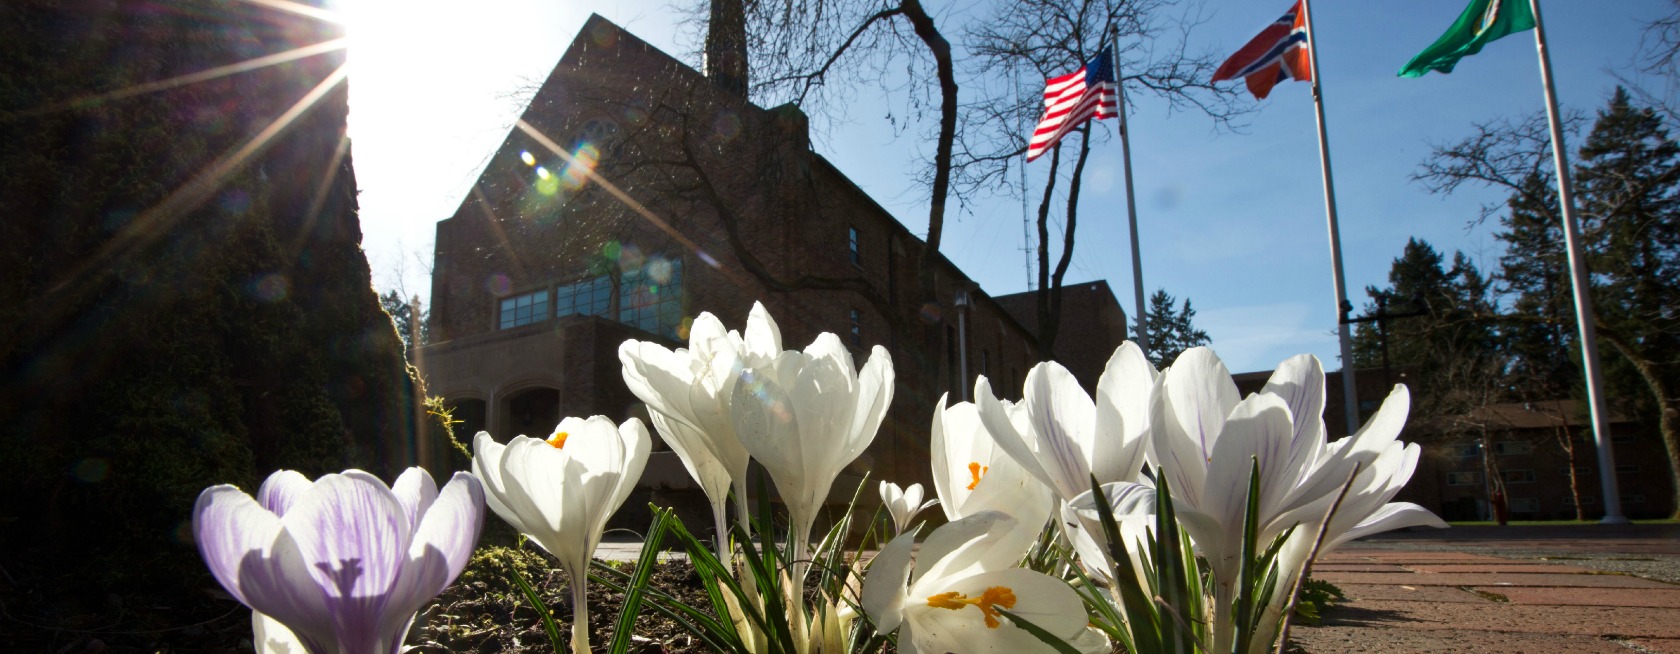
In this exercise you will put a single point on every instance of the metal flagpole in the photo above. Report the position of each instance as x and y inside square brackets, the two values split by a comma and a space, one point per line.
[1350, 396]
[1583, 292]
[1026, 240]
[1131, 202]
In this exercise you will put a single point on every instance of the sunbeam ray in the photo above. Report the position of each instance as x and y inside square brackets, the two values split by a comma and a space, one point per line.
[183, 80]
[156, 221]
[317, 13]
[589, 171]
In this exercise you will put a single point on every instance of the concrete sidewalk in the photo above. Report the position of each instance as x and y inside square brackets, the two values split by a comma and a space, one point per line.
[1503, 589]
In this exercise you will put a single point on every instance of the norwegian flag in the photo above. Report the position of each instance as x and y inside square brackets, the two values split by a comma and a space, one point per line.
[1072, 99]
[1278, 53]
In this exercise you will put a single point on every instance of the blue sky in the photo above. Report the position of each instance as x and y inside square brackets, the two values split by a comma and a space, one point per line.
[1234, 221]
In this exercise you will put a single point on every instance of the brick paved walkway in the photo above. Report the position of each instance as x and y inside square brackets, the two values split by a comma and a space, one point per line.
[1495, 590]
[1405, 598]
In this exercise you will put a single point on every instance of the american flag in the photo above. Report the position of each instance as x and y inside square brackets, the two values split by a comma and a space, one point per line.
[1074, 98]
[1279, 53]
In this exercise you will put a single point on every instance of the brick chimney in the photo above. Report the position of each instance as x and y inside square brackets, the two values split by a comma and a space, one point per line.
[726, 47]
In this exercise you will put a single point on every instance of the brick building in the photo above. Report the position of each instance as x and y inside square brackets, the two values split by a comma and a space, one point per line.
[634, 195]
[1092, 325]
[1533, 448]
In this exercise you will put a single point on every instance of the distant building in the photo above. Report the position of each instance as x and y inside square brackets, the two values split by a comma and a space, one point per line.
[1092, 325]
[1533, 448]
[709, 204]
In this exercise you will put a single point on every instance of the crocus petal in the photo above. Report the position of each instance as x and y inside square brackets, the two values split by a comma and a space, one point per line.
[994, 414]
[487, 466]
[1394, 515]
[966, 546]
[697, 458]
[883, 587]
[1122, 414]
[452, 525]
[874, 395]
[415, 491]
[281, 490]
[638, 446]
[1171, 450]
[228, 526]
[1258, 431]
[656, 375]
[443, 542]
[268, 636]
[1299, 382]
[1063, 420]
[354, 536]
[1202, 394]
[282, 586]
[768, 427]
[763, 339]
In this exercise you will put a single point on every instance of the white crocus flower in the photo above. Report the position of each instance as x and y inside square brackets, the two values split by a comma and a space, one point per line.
[971, 473]
[962, 577]
[561, 491]
[1366, 509]
[805, 416]
[903, 503]
[688, 394]
[1069, 437]
[1207, 441]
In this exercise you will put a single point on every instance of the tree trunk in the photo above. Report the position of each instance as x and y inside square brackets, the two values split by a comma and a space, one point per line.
[1667, 411]
[1044, 252]
[1052, 325]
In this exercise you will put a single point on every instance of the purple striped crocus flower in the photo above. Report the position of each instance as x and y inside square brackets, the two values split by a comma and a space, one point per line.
[345, 561]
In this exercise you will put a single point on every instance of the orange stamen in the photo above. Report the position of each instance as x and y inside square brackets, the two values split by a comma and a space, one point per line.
[987, 602]
[558, 440]
[977, 470]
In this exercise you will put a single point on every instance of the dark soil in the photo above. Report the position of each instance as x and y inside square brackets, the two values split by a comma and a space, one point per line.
[484, 612]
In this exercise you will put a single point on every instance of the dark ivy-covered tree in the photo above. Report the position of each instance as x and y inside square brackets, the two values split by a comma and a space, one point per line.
[183, 300]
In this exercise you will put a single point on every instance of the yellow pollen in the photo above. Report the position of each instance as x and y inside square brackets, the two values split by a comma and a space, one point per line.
[977, 470]
[987, 602]
[558, 440]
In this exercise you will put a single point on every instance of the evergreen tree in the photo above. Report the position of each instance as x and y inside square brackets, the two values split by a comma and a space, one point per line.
[1450, 347]
[1171, 331]
[1534, 274]
[403, 317]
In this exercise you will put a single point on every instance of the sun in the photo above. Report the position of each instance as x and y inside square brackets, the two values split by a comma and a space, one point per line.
[435, 85]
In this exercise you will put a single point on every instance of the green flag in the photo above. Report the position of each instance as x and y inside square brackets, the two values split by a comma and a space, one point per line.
[1481, 23]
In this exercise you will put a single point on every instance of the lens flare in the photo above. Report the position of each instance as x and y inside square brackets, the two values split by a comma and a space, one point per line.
[498, 284]
[528, 158]
[548, 185]
[726, 126]
[272, 287]
[630, 257]
[582, 165]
